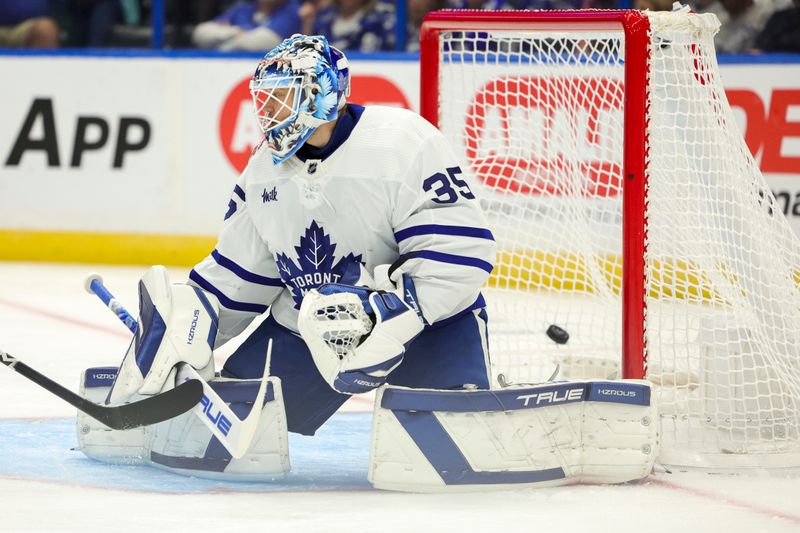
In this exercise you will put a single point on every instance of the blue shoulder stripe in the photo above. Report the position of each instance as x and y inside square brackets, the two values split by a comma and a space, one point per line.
[224, 300]
[232, 204]
[439, 229]
[245, 274]
[448, 258]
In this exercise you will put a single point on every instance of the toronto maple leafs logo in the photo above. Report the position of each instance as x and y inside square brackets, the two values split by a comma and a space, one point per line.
[315, 265]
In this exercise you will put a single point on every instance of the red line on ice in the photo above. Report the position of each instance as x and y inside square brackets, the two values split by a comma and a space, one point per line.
[721, 498]
[117, 332]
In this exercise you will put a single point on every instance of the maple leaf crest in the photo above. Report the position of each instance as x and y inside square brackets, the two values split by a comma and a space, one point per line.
[315, 264]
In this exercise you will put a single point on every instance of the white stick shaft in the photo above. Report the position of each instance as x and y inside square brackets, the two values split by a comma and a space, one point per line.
[235, 434]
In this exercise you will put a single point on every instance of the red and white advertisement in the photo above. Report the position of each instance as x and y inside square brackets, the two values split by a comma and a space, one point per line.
[766, 102]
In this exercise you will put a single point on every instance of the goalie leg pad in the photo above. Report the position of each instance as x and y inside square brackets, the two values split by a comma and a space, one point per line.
[184, 445]
[544, 435]
[97, 440]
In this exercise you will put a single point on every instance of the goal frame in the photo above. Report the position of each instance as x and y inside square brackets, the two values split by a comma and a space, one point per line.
[636, 28]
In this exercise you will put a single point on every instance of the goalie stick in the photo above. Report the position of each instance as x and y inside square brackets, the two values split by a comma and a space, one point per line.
[234, 433]
[94, 285]
[132, 415]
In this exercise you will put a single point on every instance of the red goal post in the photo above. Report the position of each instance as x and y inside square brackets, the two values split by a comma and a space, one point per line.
[636, 28]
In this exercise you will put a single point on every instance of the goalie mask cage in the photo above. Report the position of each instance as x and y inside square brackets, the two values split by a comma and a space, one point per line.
[628, 211]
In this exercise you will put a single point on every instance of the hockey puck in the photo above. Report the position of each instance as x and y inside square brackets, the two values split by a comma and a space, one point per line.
[557, 334]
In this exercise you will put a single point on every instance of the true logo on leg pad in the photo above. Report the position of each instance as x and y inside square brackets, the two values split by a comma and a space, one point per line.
[219, 419]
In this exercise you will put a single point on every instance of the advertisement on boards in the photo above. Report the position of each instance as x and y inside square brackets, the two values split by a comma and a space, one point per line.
[154, 145]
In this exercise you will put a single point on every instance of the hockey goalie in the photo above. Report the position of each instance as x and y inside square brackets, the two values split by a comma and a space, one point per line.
[354, 229]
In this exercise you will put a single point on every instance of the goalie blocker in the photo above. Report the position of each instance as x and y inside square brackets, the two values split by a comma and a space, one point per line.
[543, 435]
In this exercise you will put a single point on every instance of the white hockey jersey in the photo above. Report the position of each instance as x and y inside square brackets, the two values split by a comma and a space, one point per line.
[391, 191]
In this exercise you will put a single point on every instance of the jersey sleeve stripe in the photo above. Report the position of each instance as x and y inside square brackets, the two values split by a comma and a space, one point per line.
[224, 300]
[245, 274]
[239, 192]
[439, 229]
[447, 258]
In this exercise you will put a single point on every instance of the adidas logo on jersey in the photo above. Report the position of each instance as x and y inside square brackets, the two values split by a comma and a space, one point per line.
[270, 196]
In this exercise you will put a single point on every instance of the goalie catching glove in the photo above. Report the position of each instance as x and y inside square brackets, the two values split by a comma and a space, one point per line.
[177, 324]
[358, 335]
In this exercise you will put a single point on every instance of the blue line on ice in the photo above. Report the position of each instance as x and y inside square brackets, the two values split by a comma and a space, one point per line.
[336, 458]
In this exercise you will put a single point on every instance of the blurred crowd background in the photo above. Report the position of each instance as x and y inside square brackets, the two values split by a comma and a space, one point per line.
[748, 26]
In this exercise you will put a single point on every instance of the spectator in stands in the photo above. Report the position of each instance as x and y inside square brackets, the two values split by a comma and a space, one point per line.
[363, 25]
[600, 4]
[256, 26]
[553, 4]
[184, 16]
[26, 24]
[479, 4]
[782, 31]
[86, 22]
[653, 5]
[711, 6]
[416, 10]
[747, 19]
[308, 13]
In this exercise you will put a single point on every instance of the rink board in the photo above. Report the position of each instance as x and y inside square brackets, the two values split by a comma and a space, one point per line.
[143, 174]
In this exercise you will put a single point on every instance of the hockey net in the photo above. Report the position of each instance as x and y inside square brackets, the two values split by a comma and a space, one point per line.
[628, 211]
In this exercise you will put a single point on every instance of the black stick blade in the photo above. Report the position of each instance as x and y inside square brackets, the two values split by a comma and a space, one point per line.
[142, 413]
[151, 410]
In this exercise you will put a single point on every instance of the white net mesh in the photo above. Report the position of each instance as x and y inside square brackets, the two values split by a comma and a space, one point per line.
[723, 307]
[538, 116]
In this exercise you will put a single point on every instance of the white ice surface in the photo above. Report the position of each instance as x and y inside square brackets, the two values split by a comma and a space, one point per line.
[50, 323]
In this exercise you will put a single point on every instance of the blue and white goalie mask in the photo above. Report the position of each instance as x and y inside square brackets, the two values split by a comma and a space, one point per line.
[299, 85]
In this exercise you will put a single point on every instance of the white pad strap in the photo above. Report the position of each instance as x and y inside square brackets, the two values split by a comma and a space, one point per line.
[544, 435]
